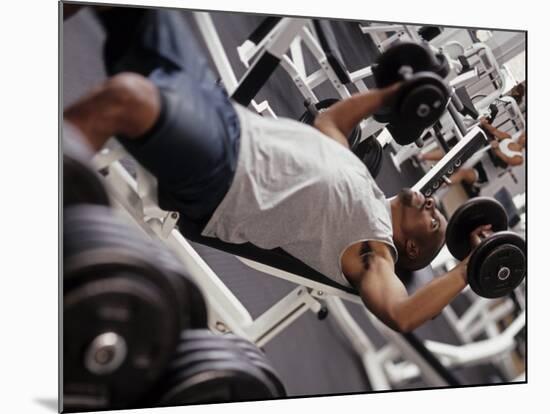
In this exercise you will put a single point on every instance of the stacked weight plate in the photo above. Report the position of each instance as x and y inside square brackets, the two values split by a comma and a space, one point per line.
[210, 368]
[125, 301]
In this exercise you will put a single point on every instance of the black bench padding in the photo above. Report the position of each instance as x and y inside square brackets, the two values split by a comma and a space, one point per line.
[276, 258]
[432, 360]
[281, 260]
[469, 107]
[328, 43]
[263, 29]
[255, 79]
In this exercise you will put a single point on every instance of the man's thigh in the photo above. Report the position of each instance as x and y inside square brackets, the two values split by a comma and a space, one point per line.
[193, 148]
[142, 40]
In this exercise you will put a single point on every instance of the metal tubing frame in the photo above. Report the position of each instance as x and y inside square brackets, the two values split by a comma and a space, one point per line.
[216, 49]
[445, 166]
[277, 42]
[279, 316]
[363, 346]
[217, 52]
[225, 308]
[294, 66]
[480, 351]
[228, 313]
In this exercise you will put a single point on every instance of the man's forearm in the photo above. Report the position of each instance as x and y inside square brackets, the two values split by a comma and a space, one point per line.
[339, 120]
[427, 302]
[331, 131]
[497, 133]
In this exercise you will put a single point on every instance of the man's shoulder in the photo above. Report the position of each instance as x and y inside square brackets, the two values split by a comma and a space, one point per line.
[359, 257]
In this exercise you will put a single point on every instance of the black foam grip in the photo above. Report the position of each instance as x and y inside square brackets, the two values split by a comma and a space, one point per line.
[255, 79]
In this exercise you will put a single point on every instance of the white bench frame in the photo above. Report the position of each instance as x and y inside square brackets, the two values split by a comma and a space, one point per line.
[226, 313]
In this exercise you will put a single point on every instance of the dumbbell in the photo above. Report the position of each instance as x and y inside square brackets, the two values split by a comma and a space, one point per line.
[429, 32]
[126, 299]
[424, 94]
[493, 112]
[369, 151]
[81, 184]
[498, 264]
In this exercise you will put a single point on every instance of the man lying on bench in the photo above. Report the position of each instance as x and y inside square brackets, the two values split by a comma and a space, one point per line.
[270, 182]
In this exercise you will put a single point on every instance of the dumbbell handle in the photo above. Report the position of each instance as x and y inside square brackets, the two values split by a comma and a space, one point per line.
[484, 235]
[406, 72]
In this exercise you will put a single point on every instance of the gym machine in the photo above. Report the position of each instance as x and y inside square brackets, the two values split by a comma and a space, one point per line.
[313, 292]
[136, 197]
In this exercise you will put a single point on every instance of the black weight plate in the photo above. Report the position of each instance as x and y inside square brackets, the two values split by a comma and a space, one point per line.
[205, 340]
[502, 271]
[387, 66]
[422, 104]
[186, 294]
[201, 339]
[383, 115]
[442, 67]
[354, 137]
[429, 32]
[193, 345]
[194, 341]
[219, 382]
[81, 184]
[260, 359]
[190, 359]
[371, 153]
[135, 310]
[270, 372]
[191, 353]
[108, 261]
[92, 225]
[472, 214]
[423, 88]
[96, 260]
[104, 224]
[88, 227]
[501, 250]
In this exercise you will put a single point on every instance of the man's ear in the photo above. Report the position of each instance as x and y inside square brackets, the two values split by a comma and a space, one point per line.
[411, 247]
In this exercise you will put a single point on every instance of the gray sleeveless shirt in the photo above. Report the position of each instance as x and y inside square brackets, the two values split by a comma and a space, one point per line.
[297, 189]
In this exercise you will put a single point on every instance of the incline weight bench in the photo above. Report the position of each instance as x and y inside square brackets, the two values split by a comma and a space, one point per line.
[137, 197]
[385, 368]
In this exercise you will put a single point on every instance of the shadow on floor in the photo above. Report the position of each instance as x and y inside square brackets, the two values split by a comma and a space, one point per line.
[49, 403]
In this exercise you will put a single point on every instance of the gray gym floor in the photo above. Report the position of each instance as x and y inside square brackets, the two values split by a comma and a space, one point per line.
[311, 356]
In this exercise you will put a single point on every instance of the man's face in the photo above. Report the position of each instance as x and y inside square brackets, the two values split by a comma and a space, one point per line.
[421, 219]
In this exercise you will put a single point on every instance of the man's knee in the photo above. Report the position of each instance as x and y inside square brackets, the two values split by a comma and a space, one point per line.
[136, 100]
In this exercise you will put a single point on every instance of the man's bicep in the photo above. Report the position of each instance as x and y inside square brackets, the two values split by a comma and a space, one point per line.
[374, 278]
[356, 258]
[330, 130]
[381, 290]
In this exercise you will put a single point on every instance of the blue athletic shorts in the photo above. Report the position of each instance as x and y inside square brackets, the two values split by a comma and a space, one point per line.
[193, 147]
